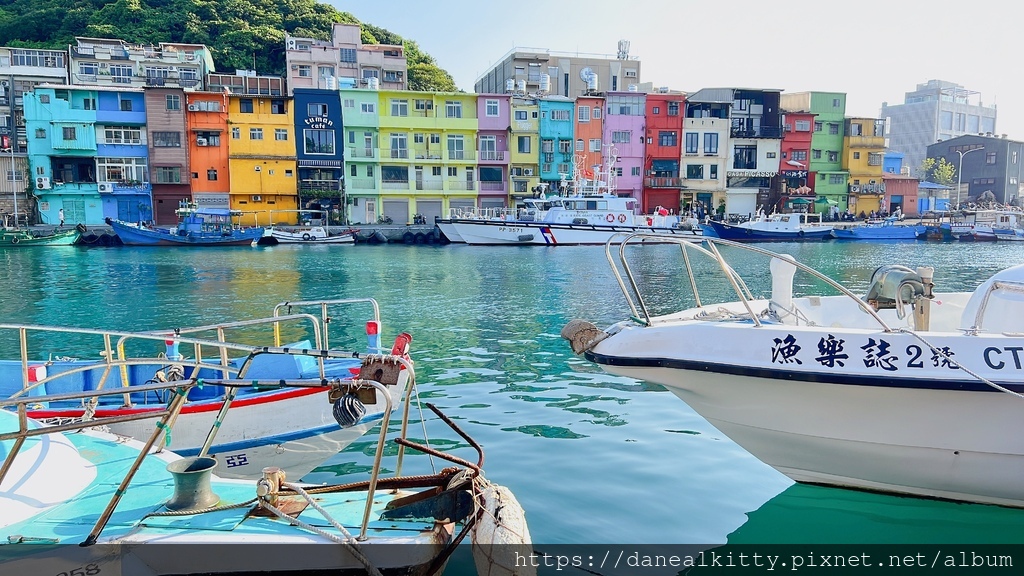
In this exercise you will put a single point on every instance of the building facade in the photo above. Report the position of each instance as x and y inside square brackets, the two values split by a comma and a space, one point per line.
[936, 110]
[589, 132]
[826, 177]
[990, 167]
[664, 132]
[495, 116]
[545, 72]
[863, 153]
[557, 141]
[167, 134]
[319, 153]
[261, 156]
[525, 136]
[208, 139]
[706, 149]
[344, 62]
[901, 192]
[624, 130]
[793, 160]
[112, 62]
[362, 156]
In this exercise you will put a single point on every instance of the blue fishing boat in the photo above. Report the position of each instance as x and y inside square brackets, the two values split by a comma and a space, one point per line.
[886, 229]
[794, 226]
[196, 227]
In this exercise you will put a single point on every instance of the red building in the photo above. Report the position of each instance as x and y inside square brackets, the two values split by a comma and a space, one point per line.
[902, 192]
[664, 145]
[797, 182]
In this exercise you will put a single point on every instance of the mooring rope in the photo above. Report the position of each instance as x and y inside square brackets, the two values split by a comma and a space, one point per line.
[949, 357]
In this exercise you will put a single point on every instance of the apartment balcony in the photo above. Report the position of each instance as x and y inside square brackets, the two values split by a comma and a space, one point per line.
[319, 185]
[867, 142]
[353, 184]
[188, 82]
[397, 153]
[156, 81]
[461, 155]
[423, 154]
[397, 185]
[430, 185]
[460, 185]
[663, 182]
[492, 155]
[493, 186]
[759, 132]
[362, 153]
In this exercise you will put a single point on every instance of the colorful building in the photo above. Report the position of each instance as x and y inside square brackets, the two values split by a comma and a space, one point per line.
[557, 144]
[261, 155]
[525, 138]
[361, 126]
[207, 121]
[624, 130]
[706, 149]
[122, 155]
[113, 62]
[167, 133]
[344, 62]
[319, 153]
[428, 152]
[793, 161]
[495, 116]
[590, 131]
[863, 150]
[827, 177]
[902, 191]
[662, 182]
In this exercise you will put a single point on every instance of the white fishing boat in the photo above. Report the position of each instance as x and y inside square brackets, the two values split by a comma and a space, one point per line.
[312, 230]
[901, 389]
[295, 428]
[75, 499]
[584, 211]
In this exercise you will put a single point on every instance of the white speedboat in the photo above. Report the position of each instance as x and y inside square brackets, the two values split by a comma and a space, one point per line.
[311, 230]
[903, 389]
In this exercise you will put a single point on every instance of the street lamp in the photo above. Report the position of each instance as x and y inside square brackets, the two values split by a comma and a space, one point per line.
[959, 170]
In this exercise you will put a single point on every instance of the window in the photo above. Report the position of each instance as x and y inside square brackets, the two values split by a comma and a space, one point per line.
[173, 102]
[168, 175]
[392, 76]
[620, 136]
[245, 105]
[422, 105]
[874, 159]
[349, 103]
[595, 144]
[673, 108]
[208, 139]
[799, 155]
[597, 113]
[325, 71]
[435, 138]
[37, 58]
[456, 147]
[255, 133]
[580, 145]
[491, 108]
[120, 74]
[656, 110]
[88, 103]
[816, 154]
[561, 115]
[40, 133]
[278, 107]
[833, 128]
[313, 109]
[836, 179]
[524, 144]
[417, 138]
[352, 170]
[348, 54]
[856, 155]
[803, 125]
[745, 157]
[399, 107]
[666, 138]
[236, 133]
[305, 71]
[18, 176]
[367, 108]
[695, 171]
[521, 115]
[713, 172]
[769, 155]
[711, 143]
[281, 134]
[369, 171]
[453, 171]
[855, 129]
[399, 146]
[126, 105]
[634, 171]
[205, 105]
[167, 139]
[211, 175]
[583, 114]
[618, 171]
[564, 146]
[69, 132]
[318, 141]
[435, 170]
[452, 109]
[833, 156]
[990, 158]
[692, 142]
[836, 102]
[1013, 157]
[121, 169]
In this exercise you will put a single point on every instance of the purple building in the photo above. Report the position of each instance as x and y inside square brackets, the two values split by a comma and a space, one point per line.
[493, 112]
[624, 130]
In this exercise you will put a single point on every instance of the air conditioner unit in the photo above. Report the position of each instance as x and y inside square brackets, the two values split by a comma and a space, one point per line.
[201, 142]
[528, 172]
[291, 44]
[256, 198]
[295, 66]
[105, 186]
[42, 183]
[193, 107]
[257, 168]
[190, 57]
[855, 188]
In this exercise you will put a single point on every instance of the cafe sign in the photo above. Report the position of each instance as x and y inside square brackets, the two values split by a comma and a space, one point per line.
[319, 122]
[750, 174]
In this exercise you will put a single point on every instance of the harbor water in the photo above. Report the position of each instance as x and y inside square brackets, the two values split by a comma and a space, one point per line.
[593, 458]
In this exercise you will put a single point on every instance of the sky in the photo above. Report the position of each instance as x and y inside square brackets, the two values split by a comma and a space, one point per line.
[875, 51]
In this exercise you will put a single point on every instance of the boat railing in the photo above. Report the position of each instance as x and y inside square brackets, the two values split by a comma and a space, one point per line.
[325, 318]
[635, 300]
[178, 391]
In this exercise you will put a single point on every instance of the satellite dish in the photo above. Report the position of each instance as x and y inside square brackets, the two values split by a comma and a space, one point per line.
[585, 73]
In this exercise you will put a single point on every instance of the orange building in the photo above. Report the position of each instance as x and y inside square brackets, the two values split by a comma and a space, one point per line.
[207, 119]
[589, 127]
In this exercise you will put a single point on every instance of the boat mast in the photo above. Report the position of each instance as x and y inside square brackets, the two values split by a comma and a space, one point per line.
[12, 135]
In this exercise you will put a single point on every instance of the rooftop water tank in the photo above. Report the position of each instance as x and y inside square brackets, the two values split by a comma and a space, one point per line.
[545, 83]
[510, 85]
[373, 83]
[592, 82]
[521, 86]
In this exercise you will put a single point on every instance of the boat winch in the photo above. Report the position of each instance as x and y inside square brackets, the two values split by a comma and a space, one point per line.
[892, 286]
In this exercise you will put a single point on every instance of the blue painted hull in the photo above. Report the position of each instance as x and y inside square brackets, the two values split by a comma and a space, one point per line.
[132, 235]
[741, 234]
[880, 233]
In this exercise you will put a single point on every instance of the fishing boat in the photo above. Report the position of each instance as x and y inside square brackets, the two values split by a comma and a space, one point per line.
[995, 224]
[790, 227]
[108, 504]
[21, 237]
[447, 229]
[294, 428]
[312, 232]
[900, 389]
[880, 229]
[196, 227]
[585, 211]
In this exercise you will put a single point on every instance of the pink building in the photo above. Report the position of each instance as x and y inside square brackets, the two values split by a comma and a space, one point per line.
[624, 130]
[493, 112]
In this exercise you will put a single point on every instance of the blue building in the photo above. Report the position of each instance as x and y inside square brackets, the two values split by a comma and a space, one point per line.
[557, 148]
[319, 150]
[892, 162]
[122, 155]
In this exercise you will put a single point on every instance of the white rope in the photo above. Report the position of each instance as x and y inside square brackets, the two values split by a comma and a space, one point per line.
[962, 367]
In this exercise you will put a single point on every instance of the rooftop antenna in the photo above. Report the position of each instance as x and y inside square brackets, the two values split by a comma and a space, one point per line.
[623, 53]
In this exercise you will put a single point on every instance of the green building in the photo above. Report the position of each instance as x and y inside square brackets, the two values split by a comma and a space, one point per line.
[827, 177]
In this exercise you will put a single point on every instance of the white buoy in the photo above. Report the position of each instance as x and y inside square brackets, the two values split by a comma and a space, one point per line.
[500, 535]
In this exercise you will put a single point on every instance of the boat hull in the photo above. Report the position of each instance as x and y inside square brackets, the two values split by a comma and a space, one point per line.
[744, 234]
[448, 229]
[312, 236]
[478, 232]
[879, 233]
[23, 238]
[133, 235]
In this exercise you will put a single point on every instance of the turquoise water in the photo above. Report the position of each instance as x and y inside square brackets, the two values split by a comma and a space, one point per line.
[592, 458]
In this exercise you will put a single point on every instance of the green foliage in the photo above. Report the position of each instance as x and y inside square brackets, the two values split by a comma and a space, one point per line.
[939, 171]
[240, 33]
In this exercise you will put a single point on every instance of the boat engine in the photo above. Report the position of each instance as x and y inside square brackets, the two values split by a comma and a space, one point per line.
[893, 285]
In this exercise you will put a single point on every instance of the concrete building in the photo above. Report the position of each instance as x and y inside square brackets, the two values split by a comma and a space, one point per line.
[664, 127]
[793, 160]
[207, 120]
[113, 62]
[863, 152]
[826, 177]
[21, 70]
[569, 74]
[495, 115]
[557, 142]
[344, 62]
[261, 155]
[590, 131]
[319, 153]
[936, 110]
[361, 124]
[989, 164]
[624, 130]
[525, 143]
[167, 134]
[246, 82]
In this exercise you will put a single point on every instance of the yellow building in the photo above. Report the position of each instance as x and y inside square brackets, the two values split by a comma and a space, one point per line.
[261, 157]
[523, 145]
[863, 152]
[427, 152]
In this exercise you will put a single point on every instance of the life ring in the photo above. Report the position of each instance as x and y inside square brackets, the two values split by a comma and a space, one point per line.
[610, 218]
[800, 234]
[622, 218]
[307, 237]
[15, 240]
